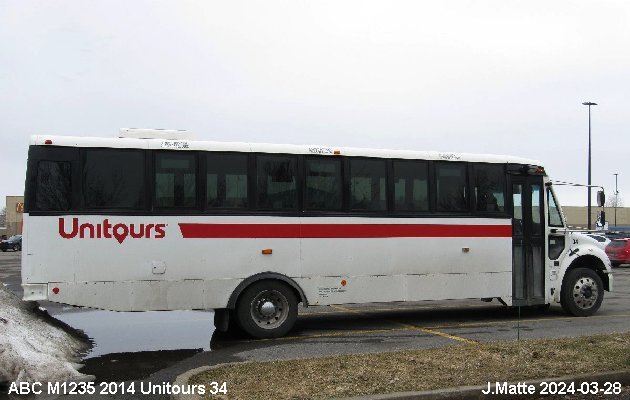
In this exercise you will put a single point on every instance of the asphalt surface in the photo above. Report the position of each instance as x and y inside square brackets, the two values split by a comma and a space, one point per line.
[350, 329]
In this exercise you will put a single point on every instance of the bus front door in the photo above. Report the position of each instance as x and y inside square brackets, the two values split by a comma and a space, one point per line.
[528, 241]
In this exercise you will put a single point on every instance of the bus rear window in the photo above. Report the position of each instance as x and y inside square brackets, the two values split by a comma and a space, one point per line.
[617, 244]
[53, 188]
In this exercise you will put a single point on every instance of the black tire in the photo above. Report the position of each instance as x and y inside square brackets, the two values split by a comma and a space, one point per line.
[15, 247]
[582, 292]
[223, 319]
[3, 250]
[267, 309]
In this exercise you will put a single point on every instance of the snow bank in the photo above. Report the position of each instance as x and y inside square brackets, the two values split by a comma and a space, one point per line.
[32, 348]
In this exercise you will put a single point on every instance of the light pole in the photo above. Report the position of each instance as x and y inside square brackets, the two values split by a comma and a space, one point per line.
[589, 104]
[616, 199]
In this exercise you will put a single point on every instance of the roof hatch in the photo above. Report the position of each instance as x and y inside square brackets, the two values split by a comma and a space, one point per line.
[168, 134]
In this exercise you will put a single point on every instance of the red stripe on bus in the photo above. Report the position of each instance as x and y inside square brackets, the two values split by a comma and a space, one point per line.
[244, 231]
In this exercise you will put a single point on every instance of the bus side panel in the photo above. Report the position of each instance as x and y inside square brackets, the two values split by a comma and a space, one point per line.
[163, 269]
[325, 290]
[167, 266]
[145, 295]
[364, 289]
[408, 268]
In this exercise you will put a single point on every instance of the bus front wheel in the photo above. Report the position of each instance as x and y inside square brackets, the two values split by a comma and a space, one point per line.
[267, 309]
[582, 292]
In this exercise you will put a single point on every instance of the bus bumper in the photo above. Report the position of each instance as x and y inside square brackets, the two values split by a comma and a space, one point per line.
[610, 282]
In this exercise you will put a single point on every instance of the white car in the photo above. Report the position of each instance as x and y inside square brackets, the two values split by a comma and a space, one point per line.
[602, 240]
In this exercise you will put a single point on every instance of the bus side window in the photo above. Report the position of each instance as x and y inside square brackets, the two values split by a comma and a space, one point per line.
[451, 187]
[175, 179]
[517, 210]
[367, 185]
[226, 175]
[411, 185]
[53, 188]
[489, 189]
[554, 213]
[323, 184]
[276, 182]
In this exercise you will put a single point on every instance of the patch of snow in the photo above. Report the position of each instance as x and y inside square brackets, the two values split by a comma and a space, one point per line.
[33, 347]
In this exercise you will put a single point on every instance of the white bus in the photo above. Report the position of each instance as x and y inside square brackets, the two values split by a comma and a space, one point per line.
[251, 230]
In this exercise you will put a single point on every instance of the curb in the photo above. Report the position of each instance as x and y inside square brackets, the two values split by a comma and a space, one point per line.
[456, 393]
[182, 380]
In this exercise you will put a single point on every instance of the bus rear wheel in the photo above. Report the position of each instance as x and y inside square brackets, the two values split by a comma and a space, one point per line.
[582, 292]
[267, 309]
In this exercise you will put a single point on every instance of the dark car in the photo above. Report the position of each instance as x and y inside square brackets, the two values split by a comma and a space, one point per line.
[13, 243]
[618, 250]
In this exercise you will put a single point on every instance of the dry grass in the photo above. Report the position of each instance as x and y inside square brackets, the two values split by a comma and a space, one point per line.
[468, 364]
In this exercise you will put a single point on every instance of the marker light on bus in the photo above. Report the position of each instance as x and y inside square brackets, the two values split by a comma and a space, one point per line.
[535, 169]
[48, 141]
[267, 251]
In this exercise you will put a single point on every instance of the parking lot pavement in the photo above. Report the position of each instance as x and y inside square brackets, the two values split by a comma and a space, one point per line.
[469, 320]
[10, 271]
[390, 327]
[366, 328]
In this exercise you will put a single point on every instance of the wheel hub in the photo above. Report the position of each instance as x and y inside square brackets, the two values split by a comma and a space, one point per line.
[585, 292]
[267, 309]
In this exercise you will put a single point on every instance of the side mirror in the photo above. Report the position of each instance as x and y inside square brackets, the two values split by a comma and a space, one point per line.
[601, 198]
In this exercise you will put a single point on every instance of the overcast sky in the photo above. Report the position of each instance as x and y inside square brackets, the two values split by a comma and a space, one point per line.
[504, 77]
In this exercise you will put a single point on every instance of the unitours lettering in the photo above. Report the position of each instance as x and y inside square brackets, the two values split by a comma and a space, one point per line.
[106, 230]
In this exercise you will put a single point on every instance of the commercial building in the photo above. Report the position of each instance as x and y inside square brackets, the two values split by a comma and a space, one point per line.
[13, 218]
[576, 216]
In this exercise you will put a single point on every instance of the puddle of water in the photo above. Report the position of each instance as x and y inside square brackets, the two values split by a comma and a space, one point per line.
[130, 332]
[132, 366]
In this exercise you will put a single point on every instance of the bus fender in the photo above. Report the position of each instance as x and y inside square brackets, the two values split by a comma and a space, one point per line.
[587, 257]
[266, 276]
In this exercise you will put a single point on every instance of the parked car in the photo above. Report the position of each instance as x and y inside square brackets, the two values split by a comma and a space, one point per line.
[618, 251]
[588, 238]
[601, 240]
[13, 243]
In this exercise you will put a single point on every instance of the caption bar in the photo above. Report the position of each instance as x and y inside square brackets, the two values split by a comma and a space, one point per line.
[115, 388]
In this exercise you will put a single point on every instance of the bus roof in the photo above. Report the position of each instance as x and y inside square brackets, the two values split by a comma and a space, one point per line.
[199, 145]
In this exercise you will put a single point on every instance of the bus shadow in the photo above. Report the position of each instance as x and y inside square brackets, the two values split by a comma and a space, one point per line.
[364, 320]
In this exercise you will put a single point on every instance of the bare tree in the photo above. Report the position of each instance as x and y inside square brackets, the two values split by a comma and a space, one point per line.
[614, 200]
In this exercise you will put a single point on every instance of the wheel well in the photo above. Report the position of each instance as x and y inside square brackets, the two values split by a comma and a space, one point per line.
[591, 262]
[270, 276]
